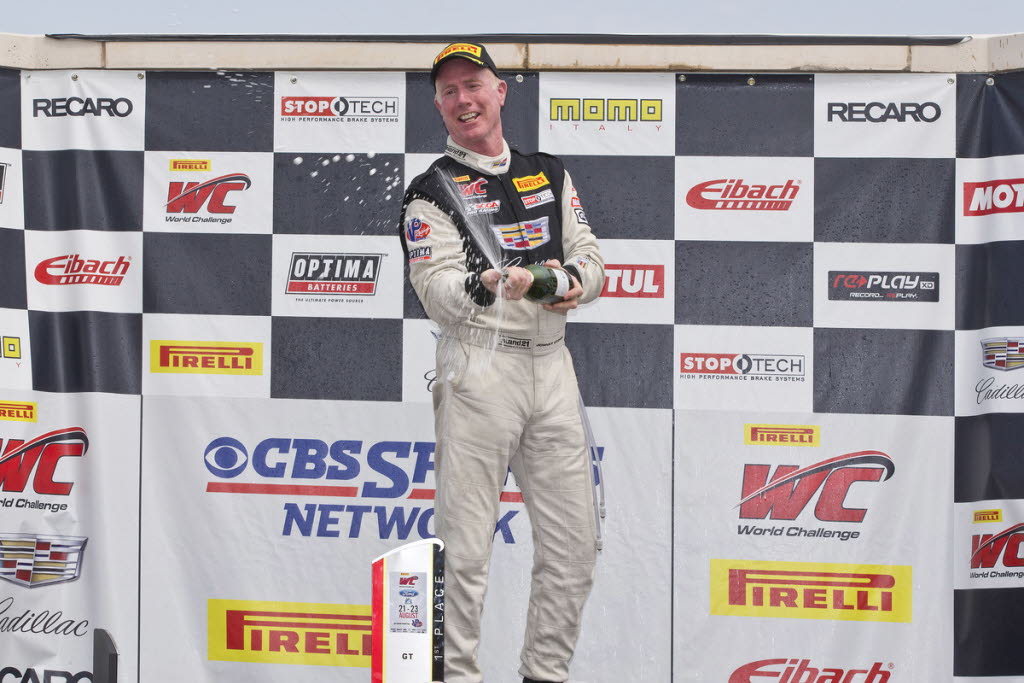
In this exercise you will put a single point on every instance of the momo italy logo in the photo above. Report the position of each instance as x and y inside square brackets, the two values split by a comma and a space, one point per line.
[598, 109]
[205, 357]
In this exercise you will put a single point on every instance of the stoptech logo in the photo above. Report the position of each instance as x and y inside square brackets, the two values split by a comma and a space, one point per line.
[210, 196]
[882, 112]
[353, 109]
[205, 357]
[33, 560]
[994, 196]
[72, 269]
[289, 633]
[1003, 353]
[615, 109]
[807, 590]
[985, 516]
[735, 195]
[18, 411]
[634, 281]
[742, 366]
[79, 106]
[781, 435]
[37, 460]
[334, 274]
[801, 671]
[882, 286]
[530, 182]
[191, 165]
[788, 491]
[1003, 549]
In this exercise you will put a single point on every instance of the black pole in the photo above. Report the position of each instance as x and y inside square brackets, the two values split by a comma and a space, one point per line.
[104, 657]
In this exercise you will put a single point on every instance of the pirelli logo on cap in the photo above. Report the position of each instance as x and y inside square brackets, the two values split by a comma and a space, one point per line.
[809, 590]
[530, 182]
[461, 48]
[289, 633]
[191, 165]
[206, 357]
[781, 435]
[982, 516]
[18, 411]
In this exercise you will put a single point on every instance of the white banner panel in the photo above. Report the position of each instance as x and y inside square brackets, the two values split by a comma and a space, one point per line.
[209, 192]
[83, 109]
[607, 113]
[987, 539]
[986, 365]
[640, 281]
[760, 199]
[339, 112]
[12, 212]
[777, 510]
[885, 115]
[989, 199]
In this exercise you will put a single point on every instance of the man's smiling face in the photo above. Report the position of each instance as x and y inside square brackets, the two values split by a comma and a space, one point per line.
[470, 98]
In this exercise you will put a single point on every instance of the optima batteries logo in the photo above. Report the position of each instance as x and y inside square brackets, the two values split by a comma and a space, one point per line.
[18, 411]
[289, 633]
[846, 285]
[800, 671]
[735, 195]
[206, 357]
[781, 435]
[742, 366]
[72, 269]
[634, 280]
[994, 196]
[341, 109]
[1003, 353]
[338, 274]
[33, 560]
[36, 460]
[998, 555]
[808, 590]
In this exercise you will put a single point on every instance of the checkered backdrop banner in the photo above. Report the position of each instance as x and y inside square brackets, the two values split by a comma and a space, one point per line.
[215, 381]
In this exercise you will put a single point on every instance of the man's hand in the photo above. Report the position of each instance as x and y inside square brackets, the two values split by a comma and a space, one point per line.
[512, 285]
[571, 298]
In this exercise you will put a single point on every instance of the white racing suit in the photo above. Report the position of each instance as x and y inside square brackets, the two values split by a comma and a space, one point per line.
[506, 394]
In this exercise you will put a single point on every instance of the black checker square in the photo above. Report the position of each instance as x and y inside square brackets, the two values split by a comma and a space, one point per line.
[724, 115]
[81, 351]
[987, 455]
[339, 359]
[621, 202]
[213, 111]
[83, 190]
[622, 366]
[883, 371]
[986, 628]
[987, 278]
[424, 129]
[884, 200]
[988, 116]
[206, 274]
[12, 275]
[10, 108]
[744, 283]
[337, 194]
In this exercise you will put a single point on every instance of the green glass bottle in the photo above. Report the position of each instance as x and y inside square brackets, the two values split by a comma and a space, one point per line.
[549, 284]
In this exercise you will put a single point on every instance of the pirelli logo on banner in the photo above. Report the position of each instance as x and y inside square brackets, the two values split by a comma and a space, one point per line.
[191, 164]
[809, 590]
[982, 516]
[289, 633]
[781, 435]
[206, 357]
[18, 411]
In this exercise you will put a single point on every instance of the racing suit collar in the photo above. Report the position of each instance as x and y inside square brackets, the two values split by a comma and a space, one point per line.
[488, 165]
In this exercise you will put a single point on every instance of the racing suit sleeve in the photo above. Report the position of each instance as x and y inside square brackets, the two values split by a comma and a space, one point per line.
[582, 256]
[449, 291]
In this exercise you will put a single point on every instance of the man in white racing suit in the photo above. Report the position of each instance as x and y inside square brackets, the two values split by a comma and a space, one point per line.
[506, 394]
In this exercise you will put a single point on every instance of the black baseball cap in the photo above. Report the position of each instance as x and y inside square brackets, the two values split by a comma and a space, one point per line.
[472, 52]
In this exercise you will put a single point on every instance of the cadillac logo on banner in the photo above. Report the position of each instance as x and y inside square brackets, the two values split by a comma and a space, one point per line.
[1003, 353]
[33, 560]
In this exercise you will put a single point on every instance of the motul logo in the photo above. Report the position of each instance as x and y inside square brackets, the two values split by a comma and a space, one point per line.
[71, 269]
[801, 671]
[994, 196]
[634, 281]
[192, 197]
[989, 549]
[735, 195]
[790, 489]
[37, 460]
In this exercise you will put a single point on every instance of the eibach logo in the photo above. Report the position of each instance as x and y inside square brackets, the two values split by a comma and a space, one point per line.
[1002, 548]
[882, 112]
[36, 460]
[800, 671]
[882, 286]
[785, 493]
[634, 280]
[212, 194]
[733, 194]
[72, 269]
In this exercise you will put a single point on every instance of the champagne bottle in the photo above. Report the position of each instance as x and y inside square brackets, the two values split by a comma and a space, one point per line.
[549, 284]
